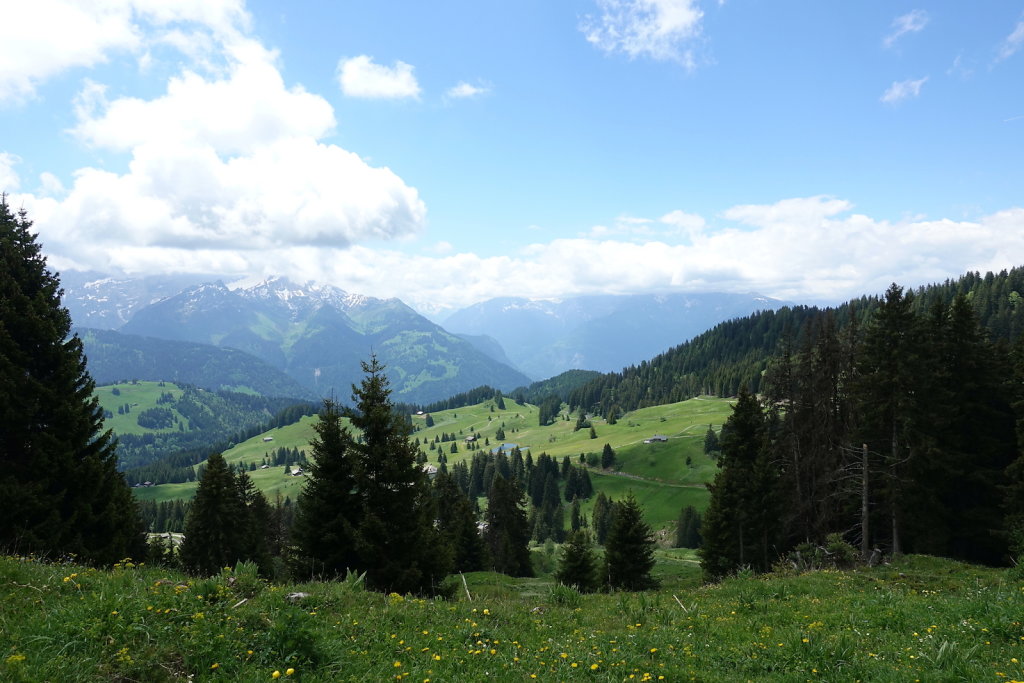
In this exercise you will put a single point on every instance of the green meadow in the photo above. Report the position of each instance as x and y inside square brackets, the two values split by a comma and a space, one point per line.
[921, 619]
[656, 473]
[139, 396]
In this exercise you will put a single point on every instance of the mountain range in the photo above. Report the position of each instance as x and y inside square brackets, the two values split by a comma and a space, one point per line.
[601, 332]
[309, 339]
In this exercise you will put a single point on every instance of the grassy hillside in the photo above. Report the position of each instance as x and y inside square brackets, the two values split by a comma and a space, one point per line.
[181, 416]
[656, 473]
[922, 619]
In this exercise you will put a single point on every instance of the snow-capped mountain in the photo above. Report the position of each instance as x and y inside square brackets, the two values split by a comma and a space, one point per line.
[318, 334]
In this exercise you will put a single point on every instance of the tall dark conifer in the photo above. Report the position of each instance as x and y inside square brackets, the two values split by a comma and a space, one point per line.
[396, 539]
[213, 536]
[61, 491]
[507, 534]
[329, 507]
[739, 525]
[629, 549]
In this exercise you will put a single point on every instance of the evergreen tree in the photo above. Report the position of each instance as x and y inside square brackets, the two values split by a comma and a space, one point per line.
[213, 538]
[688, 528]
[397, 543]
[457, 523]
[508, 533]
[578, 565]
[61, 491]
[329, 508]
[710, 441]
[629, 549]
[601, 517]
[741, 520]
[607, 457]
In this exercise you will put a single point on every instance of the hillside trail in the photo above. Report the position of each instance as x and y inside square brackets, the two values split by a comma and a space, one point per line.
[661, 482]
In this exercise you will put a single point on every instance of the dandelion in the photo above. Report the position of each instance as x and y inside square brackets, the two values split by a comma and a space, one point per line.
[276, 674]
[289, 672]
[215, 665]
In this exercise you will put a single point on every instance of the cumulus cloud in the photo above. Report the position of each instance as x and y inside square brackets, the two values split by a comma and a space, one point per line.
[9, 180]
[658, 29]
[219, 163]
[49, 37]
[361, 77]
[464, 90]
[901, 90]
[1011, 43]
[800, 249]
[911, 22]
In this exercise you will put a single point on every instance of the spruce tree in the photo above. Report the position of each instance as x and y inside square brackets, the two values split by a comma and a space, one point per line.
[607, 457]
[578, 565]
[457, 523]
[741, 520]
[61, 491]
[213, 536]
[629, 549]
[396, 540]
[508, 533]
[329, 507]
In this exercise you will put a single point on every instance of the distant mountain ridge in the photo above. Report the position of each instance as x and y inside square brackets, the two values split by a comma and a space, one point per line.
[318, 334]
[599, 332]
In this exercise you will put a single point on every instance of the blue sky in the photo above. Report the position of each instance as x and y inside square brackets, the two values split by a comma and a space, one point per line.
[450, 152]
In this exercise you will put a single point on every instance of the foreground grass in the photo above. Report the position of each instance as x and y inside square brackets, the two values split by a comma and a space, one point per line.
[923, 619]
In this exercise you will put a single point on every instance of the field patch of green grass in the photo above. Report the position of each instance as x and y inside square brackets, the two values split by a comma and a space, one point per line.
[139, 396]
[920, 619]
[656, 473]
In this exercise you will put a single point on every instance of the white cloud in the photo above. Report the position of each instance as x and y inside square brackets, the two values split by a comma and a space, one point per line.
[1012, 43]
[901, 90]
[9, 180]
[659, 29]
[911, 22]
[48, 37]
[361, 77]
[248, 108]
[798, 249]
[219, 165]
[463, 90]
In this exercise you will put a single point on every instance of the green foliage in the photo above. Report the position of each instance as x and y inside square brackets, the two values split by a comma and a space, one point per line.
[578, 565]
[61, 492]
[507, 533]
[688, 528]
[629, 549]
[741, 520]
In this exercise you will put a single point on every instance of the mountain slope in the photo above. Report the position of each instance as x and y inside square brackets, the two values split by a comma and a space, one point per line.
[737, 352]
[601, 332]
[318, 334]
[113, 356]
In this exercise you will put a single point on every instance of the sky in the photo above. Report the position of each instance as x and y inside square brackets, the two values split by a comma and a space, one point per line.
[451, 152]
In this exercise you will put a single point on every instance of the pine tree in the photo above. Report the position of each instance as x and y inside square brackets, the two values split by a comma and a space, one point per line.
[629, 549]
[397, 543]
[213, 537]
[688, 528]
[508, 533]
[741, 520]
[61, 491]
[457, 523]
[710, 441]
[607, 457]
[578, 565]
[329, 507]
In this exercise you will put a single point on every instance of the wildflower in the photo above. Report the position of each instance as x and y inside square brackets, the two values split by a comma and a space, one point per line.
[289, 672]
[215, 665]
[276, 674]
[15, 659]
[594, 667]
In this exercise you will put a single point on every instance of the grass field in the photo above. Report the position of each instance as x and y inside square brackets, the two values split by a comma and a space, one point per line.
[656, 473]
[139, 396]
[923, 619]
